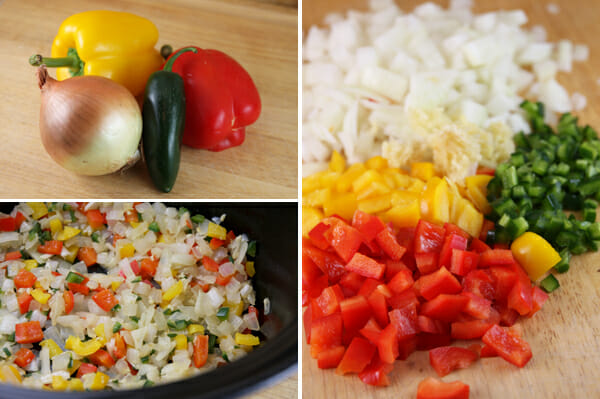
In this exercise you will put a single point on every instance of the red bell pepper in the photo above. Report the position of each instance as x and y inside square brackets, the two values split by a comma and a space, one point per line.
[376, 373]
[357, 356]
[14, 255]
[508, 345]
[329, 263]
[86, 368]
[102, 358]
[433, 388]
[388, 243]
[445, 359]
[469, 329]
[444, 307]
[440, 282]
[87, 255]
[330, 357]
[345, 240]
[317, 236]
[427, 262]
[221, 99]
[387, 344]
[404, 321]
[24, 279]
[326, 331]
[28, 332]
[462, 262]
[371, 330]
[69, 301]
[19, 218]
[355, 312]
[53, 247]
[429, 237]
[329, 300]
[368, 225]
[105, 299]
[379, 307]
[365, 266]
[451, 241]
[477, 307]
[8, 224]
[96, 219]
[148, 268]
[200, 351]
[24, 299]
[23, 357]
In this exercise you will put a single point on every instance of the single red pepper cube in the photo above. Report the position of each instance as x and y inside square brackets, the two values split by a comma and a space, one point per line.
[446, 359]
[388, 243]
[508, 345]
[345, 240]
[326, 330]
[432, 388]
[387, 344]
[404, 321]
[444, 307]
[429, 237]
[356, 311]
[451, 241]
[331, 357]
[378, 306]
[329, 263]
[462, 262]
[317, 236]
[496, 257]
[376, 373]
[371, 331]
[357, 356]
[439, 282]
[365, 266]
[469, 329]
[369, 225]
[28, 332]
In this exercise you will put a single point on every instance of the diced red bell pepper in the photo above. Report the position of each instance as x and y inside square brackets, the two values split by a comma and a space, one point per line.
[345, 240]
[310, 271]
[520, 298]
[387, 344]
[462, 262]
[450, 228]
[307, 322]
[24, 299]
[326, 331]
[376, 373]
[215, 243]
[209, 264]
[367, 287]
[432, 326]
[407, 346]
[19, 218]
[496, 257]
[316, 288]
[329, 300]
[429, 237]
[24, 279]
[368, 225]
[469, 329]
[371, 330]
[329, 263]
[53, 247]
[357, 356]
[69, 301]
[538, 297]
[96, 219]
[356, 311]
[86, 368]
[23, 357]
[427, 262]
[102, 358]
[8, 223]
[401, 281]
[105, 299]
[28, 332]
[451, 241]
[487, 351]
[87, 255]
[444, 307]
[480, 283]
[378, 306]
[148, 268]
[428, 341]
[14, 255]
[200, 350]
[393, 267]
[508, 345]
[439, 282]
[330, 357]
[405, 321]
[446, 359]
[317, 235]
[388, 243]
[506, 315]
[477, 307]
[406, 238]
[478, 246]
[365, 266]
[504, 279]
[433, 388]
[404, 299]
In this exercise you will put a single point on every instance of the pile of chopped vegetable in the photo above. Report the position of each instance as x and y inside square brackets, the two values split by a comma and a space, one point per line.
[375, 293]
[120, 296]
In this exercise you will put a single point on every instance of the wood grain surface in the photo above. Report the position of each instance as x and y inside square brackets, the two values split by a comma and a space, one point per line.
[565, 335]
[260, 35]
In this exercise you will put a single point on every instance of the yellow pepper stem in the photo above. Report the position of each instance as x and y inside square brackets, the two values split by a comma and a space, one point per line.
[72, 61]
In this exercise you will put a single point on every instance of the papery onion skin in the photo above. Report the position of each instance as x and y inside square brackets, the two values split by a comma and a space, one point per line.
[90, 125]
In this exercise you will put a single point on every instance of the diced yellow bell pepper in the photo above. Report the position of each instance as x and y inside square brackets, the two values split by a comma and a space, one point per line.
[127, 250]
[407, 215]
[216, 231]
[74, 366]
[470, 219]
[84, 348]
[311, 183]
[196, 329]
[134, 224]
[67, 233]
[75, 384]
[378, 162]
[10, 374]
[56, 226]
[376, 205]
[375, 189]
[403, 197]
[345, 181]
[328, 179]
[30, 264]
[441, 203]
[316, 198]
[246, 339]
[53, 348]
[337, 162]
[416, 186]
[422, 170]
[366, 179]
[310, 218]
[427, 197]
[40, 295]
[59, 383]
[173, 291]
[403, 181]
[73, 250]
[342, 204]
[161, 238]
[476, 190]
[235, 308]
[39, 209]
[99, 382]
[181, 342]
[115, 285]
[535, 254]
[99, 330]
[250, 271]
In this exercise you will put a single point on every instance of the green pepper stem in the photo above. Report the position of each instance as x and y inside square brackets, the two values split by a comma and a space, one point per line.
[69, 61]
[169, 65]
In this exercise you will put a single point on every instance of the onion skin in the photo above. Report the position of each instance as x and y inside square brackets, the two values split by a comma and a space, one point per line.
[90, 125]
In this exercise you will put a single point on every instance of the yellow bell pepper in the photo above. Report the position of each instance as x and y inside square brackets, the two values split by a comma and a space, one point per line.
[40, 295]
[39, 209]
[53, 348]
[30, 264]
[67, 233]
[10, 374]
[84, 348]
[216, 231]
[173, 291]
[195, 329]
[246, 339]
[534, 254]
[75, 384]
[180, 342]
[99, 382]
[59, 383]
[116, 45]
[250, 270]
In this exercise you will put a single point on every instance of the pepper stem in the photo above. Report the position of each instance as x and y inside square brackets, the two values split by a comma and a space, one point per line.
[72, 61]
[169, 65]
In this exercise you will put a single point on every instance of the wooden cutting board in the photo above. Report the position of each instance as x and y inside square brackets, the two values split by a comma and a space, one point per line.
[261, 36]
[565, 335]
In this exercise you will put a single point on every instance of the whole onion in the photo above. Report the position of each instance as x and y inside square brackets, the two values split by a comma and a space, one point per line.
[89, 124]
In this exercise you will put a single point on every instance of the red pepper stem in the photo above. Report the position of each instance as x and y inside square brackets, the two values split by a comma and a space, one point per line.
[169, 65]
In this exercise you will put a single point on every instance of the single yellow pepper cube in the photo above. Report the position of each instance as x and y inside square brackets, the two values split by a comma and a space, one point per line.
[127, 250]
[378, 162]
[59, 383]
[311, 183]
[134, 224]
[216, 231]
[404, 197]
[84, 348]
[470, 220]
[99, 330]
[56, 226]
[342, 204]
[534, 254]
[75, 384]
[328, 179]
[73, 250]
[376, 189]
[173, 291]
[250, 271]
[422, 170]
[403, 181]
[39, 209]
[376, 205]
[53, 348]
[441, 203]
[246, 339]
[30, 264]
[406, 215]
[345, 181]
[316, 198]
[476, 190]
[181, 342]
[196, 329]
[67, 233]
[115, 285]
[337, 162]
[310, 218]
[365, 179]
[99, 382]
[40, 295]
